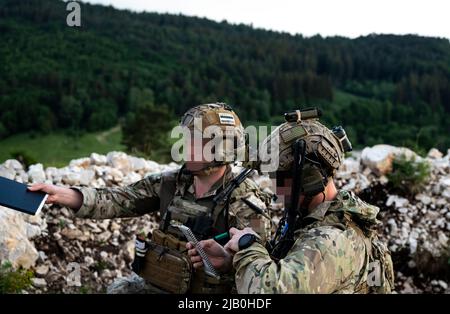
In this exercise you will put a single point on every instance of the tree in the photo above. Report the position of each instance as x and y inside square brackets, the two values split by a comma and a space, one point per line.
[125, 58]
[146, 130]
[71, 113]
[3, 131]
[104, 115]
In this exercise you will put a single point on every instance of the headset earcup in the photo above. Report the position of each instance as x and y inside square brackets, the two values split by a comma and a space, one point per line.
[313, 180]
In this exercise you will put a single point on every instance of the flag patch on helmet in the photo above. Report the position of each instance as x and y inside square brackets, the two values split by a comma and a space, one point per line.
[226, 118]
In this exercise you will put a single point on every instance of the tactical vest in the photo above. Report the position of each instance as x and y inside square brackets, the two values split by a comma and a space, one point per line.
[377, 273]
[167, 266]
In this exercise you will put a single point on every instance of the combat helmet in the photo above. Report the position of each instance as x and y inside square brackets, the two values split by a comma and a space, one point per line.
[324, 149]
[223, 117]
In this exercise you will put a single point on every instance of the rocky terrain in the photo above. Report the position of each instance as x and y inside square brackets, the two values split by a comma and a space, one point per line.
[415, 227]
[55, 245]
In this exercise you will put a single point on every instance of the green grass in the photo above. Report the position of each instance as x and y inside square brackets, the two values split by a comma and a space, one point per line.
[14, 280]
[409, 176]
[58, 149]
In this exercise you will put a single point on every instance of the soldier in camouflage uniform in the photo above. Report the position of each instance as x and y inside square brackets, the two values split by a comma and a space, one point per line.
[334, 247]
[185, 196]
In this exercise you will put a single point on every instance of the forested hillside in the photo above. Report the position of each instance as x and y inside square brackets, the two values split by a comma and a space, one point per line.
[381, 88]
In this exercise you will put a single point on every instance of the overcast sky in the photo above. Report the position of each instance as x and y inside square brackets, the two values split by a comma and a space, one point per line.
[350, 18]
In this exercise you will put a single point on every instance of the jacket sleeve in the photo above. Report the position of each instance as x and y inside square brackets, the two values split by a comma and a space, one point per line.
[136, 199]
[241, 216]
[324, 260]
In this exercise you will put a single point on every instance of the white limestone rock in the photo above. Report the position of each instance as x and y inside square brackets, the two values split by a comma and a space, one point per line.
[131, 178]
[379, 158]
[13, 164]
[15, 246]
[81, 163]
[137, 164]
[434, 154]
[36, 173]
[98, 160]
[119, 161]
[86, 177]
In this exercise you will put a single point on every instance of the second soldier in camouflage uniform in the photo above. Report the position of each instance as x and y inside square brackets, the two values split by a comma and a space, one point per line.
[334, 247]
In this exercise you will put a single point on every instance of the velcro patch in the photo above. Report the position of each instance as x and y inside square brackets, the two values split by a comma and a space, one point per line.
[293, 133]
[226, 118]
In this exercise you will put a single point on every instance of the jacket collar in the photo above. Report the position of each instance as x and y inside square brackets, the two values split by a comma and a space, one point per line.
[346, 202]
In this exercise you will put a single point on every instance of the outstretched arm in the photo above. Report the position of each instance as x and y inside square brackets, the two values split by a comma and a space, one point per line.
[134, 200]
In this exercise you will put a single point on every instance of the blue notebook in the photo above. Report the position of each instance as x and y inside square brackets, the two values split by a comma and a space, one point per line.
[16, 196]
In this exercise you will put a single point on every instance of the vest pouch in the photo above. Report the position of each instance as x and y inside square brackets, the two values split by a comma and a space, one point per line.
[204, 284]
[167, 269]
[182, 246]
[158, 237]
[171, 242]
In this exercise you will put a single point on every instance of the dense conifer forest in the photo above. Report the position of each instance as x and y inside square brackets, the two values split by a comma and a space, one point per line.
[381, 88]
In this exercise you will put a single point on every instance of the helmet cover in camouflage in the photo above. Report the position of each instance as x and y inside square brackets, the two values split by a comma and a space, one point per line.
[324, 150]
[224, 118]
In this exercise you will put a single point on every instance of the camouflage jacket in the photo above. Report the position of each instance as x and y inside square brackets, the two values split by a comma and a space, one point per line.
[330, 255]
[145, 196]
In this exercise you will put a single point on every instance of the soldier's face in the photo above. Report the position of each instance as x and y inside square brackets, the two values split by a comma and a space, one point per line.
[284, 190]
[283, 183]
[196, 160]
